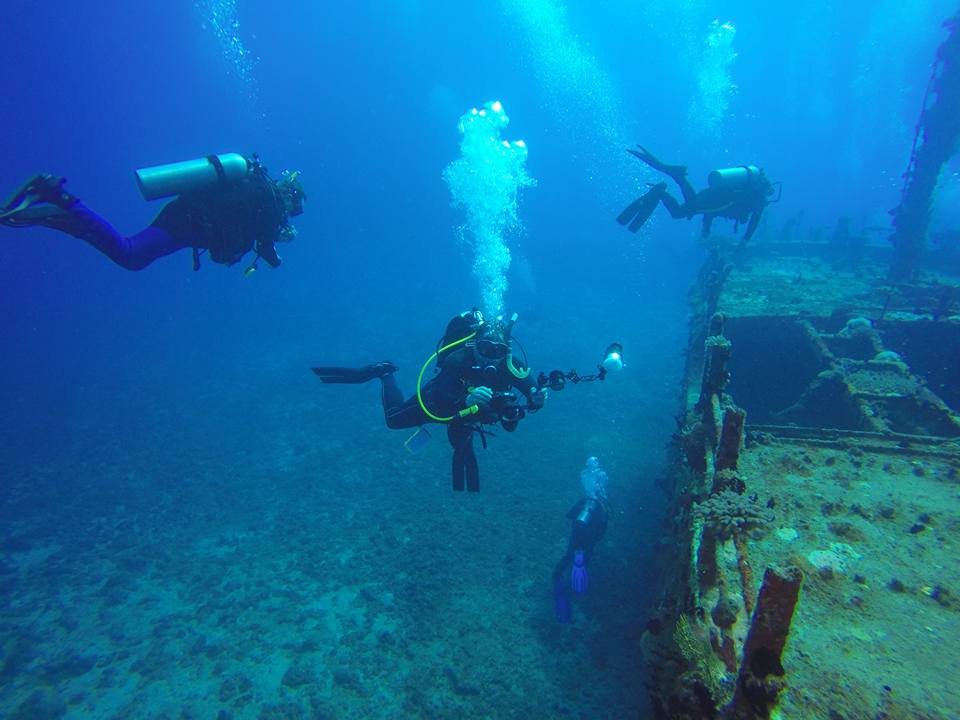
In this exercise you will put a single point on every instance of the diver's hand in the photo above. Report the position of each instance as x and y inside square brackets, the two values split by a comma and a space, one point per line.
[538, 396]
[479, 396]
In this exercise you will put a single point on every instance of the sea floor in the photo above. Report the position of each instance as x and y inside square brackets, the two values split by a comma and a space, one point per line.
[873, 523]
[281, 555]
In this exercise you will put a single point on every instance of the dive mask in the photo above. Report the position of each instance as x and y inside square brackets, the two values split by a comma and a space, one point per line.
[492, 349]
[291, 188]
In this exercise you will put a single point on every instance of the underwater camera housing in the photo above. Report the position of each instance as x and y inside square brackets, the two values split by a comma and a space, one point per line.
[612, 362]
[507, 406]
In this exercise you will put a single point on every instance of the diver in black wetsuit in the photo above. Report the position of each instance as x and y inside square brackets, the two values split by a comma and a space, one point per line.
[227, 205]
[738, 193]
[474, 386]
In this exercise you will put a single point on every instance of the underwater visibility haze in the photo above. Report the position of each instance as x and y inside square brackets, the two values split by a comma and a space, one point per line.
[192, 525]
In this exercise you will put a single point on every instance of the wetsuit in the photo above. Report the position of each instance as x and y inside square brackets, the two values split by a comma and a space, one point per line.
[742, 205]
[226, 221]
[446, 395]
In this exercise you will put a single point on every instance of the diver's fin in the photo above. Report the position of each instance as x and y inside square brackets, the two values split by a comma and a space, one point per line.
[631, 210]
[41, 188]
[645, 156]
[640, 210]
[30, 215]
[353, 376]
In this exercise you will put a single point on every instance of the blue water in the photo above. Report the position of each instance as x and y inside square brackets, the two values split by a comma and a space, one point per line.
[192, 526]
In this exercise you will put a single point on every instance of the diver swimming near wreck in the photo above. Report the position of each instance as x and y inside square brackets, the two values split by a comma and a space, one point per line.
[589, 517]
[479, 382]
[225, 206]
[738, 193]
[476, 383]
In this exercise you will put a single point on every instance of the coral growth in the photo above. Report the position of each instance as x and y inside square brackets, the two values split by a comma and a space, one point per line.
[699, 655]
[727, 512]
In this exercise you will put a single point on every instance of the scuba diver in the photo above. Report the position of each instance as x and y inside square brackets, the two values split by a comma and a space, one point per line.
[477, 376]
[226, 205]
[738, 193]
[589, 516]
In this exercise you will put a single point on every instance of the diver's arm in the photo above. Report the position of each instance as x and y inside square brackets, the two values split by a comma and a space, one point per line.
[267, 250]
[536, 396]
[525, 385]
[575, 510]
[707, 223]
[754, 224]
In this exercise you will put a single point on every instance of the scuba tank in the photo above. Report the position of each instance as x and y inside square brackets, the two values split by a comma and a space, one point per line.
[735, 177]
[589, 508]
[162, 181]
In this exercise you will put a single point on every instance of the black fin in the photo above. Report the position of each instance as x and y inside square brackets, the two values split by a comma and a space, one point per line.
[640, 210]
[41, 188]
[631, 210]
[30, 215]
[353, 376]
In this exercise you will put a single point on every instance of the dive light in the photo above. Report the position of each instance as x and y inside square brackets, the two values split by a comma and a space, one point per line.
[612, 362]
[613, 358]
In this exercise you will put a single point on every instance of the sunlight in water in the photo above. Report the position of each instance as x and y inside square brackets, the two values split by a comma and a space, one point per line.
[576, 89]
[220, 18]
[485, 181]
[715, 84]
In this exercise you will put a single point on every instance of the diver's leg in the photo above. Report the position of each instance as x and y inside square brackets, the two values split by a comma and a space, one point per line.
[465, 471]
[457, 463]
[561, 596]
[390, 395]
[648, 158]
[44, 201]
[471, 468]
[397, 413]
[678, 173]
[133, 253]
[676, 210]
[686, 189]
[560, 569]
[136, 251]
[457, 470]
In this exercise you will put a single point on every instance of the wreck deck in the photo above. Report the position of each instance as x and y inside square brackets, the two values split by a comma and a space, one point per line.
[847, 467]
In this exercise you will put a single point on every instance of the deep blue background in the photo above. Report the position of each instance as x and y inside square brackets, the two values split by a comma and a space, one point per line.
[92, 92]
[364, 99]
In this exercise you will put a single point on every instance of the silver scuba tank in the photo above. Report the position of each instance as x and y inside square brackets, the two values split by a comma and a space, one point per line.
[588, 509]
[162, 181]
[735, 177]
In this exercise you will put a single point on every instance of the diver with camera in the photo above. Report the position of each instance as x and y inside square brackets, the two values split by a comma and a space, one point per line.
[224, 205]
[478, 382]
